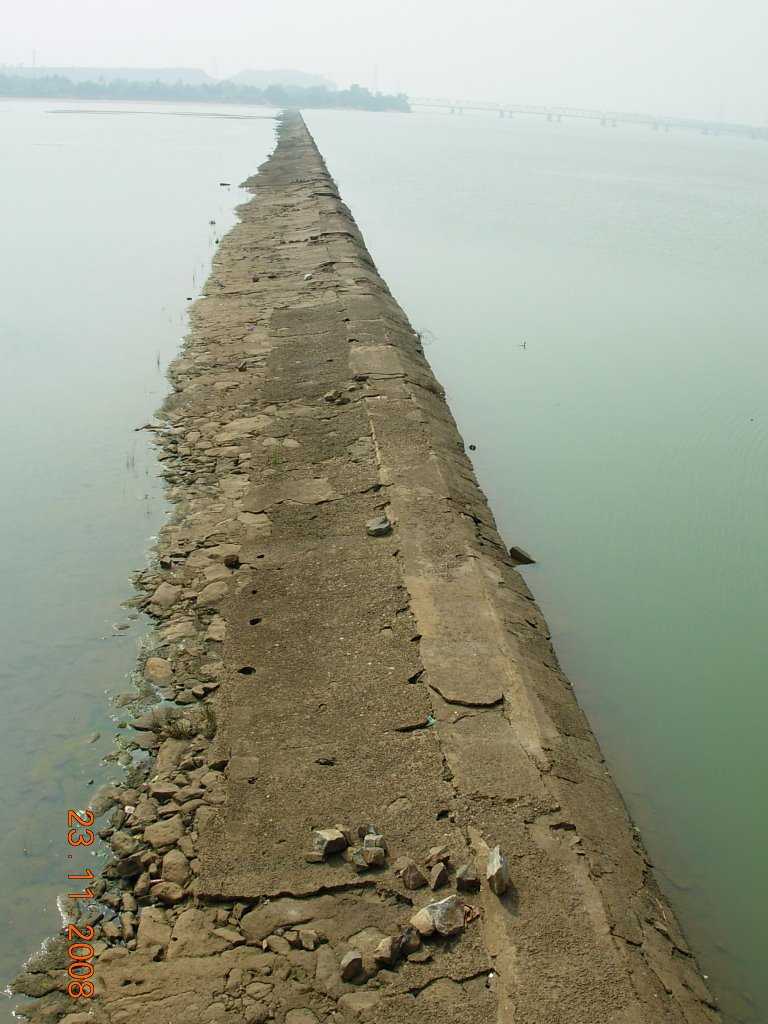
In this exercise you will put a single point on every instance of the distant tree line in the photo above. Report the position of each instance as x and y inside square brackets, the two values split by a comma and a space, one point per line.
[58, 87]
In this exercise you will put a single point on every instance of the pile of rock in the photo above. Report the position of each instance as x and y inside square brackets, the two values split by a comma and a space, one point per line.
[364, 848]
[437, 872]
[152, 834]
[367, 848]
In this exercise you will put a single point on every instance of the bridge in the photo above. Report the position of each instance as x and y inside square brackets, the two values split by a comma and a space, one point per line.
[607, 118]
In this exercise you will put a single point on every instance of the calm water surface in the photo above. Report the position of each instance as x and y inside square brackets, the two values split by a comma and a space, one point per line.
[106, 233]
[626, 447]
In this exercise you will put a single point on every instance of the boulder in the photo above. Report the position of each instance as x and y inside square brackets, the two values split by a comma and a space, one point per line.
[169, 893]
[175, 867]
[164, 833]
[165, 596]
[213, 594]
[123, 844]
[157, 670]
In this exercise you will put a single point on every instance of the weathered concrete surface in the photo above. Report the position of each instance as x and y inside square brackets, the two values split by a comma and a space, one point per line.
[405, 680]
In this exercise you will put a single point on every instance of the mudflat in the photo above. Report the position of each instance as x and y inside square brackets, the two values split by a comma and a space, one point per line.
[370, 791]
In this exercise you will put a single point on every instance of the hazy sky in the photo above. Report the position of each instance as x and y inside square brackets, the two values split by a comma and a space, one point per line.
[696, 57]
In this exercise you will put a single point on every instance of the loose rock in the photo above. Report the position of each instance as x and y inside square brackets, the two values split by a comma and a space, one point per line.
[497, 871]
[328, 840]
[410, 941]
[122, 844]
[467, 879]
[168, 892]
[521, 557]
[423, 922]
[165, 596]
[175, 867]
[355, 856]
[351, 964]
[411, 874]
[438, 876]
[445, 917]
[378, 527]
[164, 833]
[309, 939]
[438, 855]
[213, 594]
[387, 952]
[374, 856]
[278, 944]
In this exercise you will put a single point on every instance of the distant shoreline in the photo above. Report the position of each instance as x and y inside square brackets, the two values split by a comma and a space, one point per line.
[58, 87]
[170, 113]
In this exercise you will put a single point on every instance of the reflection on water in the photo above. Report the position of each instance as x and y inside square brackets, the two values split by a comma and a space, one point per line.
[626, 446]
[109, 226]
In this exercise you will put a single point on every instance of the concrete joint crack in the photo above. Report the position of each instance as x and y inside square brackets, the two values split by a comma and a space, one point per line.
[468, 703]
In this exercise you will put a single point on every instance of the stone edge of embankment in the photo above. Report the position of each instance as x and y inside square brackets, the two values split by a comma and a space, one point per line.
[163, 732]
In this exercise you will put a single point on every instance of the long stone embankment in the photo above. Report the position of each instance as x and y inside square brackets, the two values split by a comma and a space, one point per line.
[344, 644]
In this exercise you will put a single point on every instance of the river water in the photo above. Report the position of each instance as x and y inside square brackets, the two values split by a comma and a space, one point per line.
[626, 446]
[106, 233]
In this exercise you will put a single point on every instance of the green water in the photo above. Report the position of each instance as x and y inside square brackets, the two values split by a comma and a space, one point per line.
[626, 447]
[106, 232]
